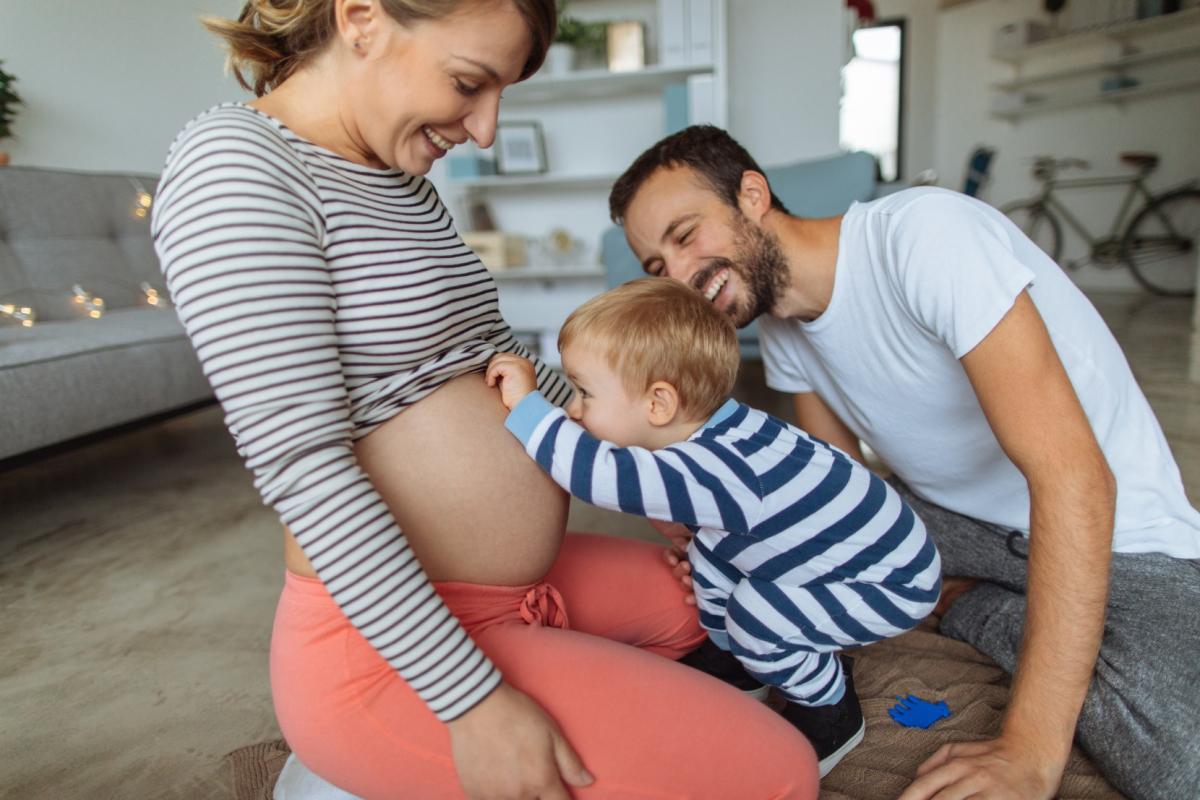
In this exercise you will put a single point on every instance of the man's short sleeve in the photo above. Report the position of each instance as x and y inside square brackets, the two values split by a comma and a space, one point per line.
[782, 361]
[955, 268]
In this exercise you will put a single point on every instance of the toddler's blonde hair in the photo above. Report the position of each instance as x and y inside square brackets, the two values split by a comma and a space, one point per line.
[658, 329]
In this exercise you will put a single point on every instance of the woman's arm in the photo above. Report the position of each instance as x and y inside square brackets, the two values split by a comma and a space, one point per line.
[238, 229]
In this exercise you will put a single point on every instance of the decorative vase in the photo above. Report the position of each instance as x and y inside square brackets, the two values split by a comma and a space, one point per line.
[560, 58]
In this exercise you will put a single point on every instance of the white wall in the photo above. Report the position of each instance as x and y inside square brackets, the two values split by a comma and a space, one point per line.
[958, 41]
[785, 60]
[107, 85]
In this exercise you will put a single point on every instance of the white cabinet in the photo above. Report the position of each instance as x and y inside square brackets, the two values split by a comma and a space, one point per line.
[1117, 63]
[594, 124]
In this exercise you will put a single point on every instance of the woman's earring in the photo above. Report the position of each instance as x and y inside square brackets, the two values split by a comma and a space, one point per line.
[358, 44]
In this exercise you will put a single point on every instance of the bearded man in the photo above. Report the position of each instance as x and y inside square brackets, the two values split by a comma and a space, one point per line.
[928, 326]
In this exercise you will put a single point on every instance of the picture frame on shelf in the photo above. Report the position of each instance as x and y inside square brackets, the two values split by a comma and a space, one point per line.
[520, 148]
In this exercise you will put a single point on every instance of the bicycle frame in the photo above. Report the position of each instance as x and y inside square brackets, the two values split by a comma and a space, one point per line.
[1136, 186]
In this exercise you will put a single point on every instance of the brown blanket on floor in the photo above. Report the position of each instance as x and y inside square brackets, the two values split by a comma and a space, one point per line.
[920, 662]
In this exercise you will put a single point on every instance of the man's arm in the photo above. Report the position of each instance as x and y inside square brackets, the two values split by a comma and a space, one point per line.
[817, 419]
[1037, 419]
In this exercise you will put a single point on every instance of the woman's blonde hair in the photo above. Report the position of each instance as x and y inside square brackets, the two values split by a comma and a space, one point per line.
[657, 329]
[270, 39]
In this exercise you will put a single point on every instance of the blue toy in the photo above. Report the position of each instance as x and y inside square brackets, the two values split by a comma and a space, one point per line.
[913, 712]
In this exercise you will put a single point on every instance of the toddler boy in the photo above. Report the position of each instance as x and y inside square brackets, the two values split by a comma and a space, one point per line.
[798, 551]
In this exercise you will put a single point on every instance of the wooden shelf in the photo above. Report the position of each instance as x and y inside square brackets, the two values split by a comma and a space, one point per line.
[545, 181]
[1119, 32]
[1111, 65]
[1115, 96]
[588, 84]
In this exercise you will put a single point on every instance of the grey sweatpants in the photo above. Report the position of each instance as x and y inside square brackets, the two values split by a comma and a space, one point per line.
[1141, 717]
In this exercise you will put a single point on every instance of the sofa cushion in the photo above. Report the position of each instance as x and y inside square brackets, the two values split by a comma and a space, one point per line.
[58, 229]
[61, 380]
[824, 187]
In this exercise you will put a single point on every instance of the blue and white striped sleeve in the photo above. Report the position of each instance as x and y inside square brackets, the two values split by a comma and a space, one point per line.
[686, 482]
[238, 228]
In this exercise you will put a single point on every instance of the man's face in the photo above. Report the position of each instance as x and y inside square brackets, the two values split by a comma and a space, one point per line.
[680, 228]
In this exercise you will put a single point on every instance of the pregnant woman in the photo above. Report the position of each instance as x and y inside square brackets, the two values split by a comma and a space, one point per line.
[437, 633]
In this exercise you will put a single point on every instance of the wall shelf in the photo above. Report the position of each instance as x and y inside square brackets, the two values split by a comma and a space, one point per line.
[594, 122]
[1135, 64]
[599, 83]
[1120, 32]
[1116, 96]
[1110, 65]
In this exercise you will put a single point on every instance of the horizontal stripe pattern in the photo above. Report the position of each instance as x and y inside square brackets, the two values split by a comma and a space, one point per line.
[799, 551]
[324, 297]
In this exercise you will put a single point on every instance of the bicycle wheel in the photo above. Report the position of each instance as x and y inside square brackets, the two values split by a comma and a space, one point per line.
[1036, 222]
[1160, 245]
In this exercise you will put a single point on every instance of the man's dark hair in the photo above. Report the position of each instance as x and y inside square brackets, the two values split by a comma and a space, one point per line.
[710, 151]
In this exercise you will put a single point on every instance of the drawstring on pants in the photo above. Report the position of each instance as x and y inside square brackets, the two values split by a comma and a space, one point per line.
[544, 606]
[1012, 548]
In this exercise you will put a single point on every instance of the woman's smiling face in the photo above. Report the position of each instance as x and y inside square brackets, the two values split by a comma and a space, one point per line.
[416, 90]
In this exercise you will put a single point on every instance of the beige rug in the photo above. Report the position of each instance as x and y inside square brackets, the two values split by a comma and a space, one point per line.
[931, 666]
[921, 662]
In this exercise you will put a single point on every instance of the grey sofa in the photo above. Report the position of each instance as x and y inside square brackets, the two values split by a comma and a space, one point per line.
[69, 375]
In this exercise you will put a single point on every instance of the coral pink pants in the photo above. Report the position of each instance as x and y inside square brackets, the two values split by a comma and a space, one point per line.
[593, 644]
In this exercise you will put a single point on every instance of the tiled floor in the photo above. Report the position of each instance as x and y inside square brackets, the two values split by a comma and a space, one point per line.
[138, 577]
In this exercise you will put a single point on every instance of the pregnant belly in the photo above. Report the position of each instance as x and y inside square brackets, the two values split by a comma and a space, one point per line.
[473, 506]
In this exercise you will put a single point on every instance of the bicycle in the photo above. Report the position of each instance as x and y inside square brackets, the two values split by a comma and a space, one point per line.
[1158, 245]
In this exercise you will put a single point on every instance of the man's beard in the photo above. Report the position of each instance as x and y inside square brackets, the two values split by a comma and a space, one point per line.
[758, 260]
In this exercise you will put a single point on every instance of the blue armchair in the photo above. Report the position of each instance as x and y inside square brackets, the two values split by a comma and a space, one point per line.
[821, 188]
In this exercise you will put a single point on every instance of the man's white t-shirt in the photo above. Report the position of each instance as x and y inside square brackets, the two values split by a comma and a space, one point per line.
[922, 277]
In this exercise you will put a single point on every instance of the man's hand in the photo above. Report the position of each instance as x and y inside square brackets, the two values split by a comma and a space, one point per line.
[514, 375]
[997, 769]
[506, 748]
[1033, 410]
[676, 555]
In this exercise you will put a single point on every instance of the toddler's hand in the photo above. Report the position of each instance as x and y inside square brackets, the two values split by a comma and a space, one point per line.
[676, 555]
[514, 375]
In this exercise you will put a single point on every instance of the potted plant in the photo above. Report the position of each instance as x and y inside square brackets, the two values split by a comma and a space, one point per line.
[574, 37]
[9, 100]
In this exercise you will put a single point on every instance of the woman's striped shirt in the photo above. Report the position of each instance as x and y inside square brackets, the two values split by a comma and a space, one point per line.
[323, 297]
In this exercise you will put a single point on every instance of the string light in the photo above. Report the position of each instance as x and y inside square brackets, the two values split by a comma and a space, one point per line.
[144, 200]
[153, 297]
[92, 304]
[25, 315]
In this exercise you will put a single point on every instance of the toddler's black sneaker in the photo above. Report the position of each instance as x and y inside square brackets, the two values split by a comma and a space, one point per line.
[833, 730]
[724, 666]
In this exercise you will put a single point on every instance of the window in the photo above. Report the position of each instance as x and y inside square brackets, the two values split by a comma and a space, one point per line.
[873, 96]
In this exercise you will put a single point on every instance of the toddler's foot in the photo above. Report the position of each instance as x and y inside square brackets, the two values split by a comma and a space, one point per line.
[833, 730]
[724, 666]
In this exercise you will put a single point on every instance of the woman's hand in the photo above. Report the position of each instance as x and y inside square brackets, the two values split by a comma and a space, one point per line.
[514, 375]
[676, 555]
[507, 748]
